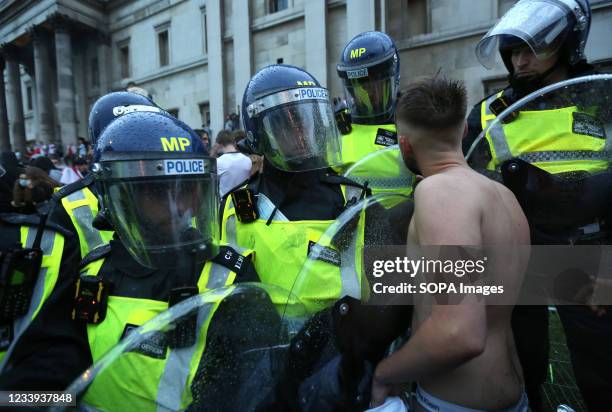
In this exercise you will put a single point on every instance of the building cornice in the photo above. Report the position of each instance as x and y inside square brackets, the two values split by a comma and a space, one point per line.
[165, 72]
[142, 13]
[16, 21]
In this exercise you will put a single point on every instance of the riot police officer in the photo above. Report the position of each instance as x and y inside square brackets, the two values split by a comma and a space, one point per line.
[289, 120]
[70, 218]
[160, 195]
[370, 72]
[282, 214]
[534, 55]
[540, 52]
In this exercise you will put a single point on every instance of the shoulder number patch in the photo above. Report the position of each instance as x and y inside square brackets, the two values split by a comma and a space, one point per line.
[385, 138]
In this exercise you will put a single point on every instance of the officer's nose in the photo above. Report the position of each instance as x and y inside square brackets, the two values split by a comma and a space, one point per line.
[522, 58]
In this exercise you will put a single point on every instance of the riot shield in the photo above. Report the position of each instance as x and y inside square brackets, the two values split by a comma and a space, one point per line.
[384, 172]
[232, 361]
[553, 150]
[331, 359]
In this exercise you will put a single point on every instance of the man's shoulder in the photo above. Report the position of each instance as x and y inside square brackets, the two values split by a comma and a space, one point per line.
[462, 183]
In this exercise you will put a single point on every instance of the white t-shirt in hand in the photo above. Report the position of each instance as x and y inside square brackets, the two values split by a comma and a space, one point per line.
[233, 169]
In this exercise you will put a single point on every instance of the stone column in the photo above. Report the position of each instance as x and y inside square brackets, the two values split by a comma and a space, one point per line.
[104, 63]
[42, 72]
[5, 139]
[360, 17]
[216, 96]
[65, 86]
[316, 50]
[15, 105]
[242, 47]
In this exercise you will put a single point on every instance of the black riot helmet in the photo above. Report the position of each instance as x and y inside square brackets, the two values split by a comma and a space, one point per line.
[288, 118]
[545, 26]
[112, 105]
[370, 72]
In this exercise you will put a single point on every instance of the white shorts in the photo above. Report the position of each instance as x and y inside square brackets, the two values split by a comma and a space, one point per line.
[432, 404]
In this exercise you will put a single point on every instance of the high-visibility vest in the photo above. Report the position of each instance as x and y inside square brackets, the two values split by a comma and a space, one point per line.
[52, 246]
[161, 378]
[382, 171]
[363, 140]
[548, 139]
[82, 207]
[281, 250]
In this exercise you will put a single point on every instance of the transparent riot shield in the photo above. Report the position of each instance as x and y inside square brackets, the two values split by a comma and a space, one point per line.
[221, 350]
[384, 172]
[331, 359]
[553, 150]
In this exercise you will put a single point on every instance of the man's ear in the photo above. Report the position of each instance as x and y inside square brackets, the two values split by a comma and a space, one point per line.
[465, 130]
[404, 144]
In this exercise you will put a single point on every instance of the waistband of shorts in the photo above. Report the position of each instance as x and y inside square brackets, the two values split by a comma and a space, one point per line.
[433, 404]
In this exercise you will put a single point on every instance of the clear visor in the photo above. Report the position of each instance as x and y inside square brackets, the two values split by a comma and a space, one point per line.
[164, 221]
[543, 25]
[370, 99]
[301, 136]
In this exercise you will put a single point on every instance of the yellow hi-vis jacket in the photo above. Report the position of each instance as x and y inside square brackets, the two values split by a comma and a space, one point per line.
[52, 246]
[363, 140]
[281, 250]
[82, 207]
[161, 378]
[556, 140]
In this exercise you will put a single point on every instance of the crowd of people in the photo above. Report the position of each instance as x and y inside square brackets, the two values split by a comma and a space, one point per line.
[239, 227]
[28, 182]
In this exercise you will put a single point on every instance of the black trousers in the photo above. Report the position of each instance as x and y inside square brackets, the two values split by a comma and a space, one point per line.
[589, 340]
[530, 328]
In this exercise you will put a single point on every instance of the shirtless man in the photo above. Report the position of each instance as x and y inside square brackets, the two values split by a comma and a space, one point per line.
[462, 356]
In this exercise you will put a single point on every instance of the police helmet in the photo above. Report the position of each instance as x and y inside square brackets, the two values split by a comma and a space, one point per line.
[159, 189]
[288, 118]
[545, 26]
[370, 72]
[112, 105]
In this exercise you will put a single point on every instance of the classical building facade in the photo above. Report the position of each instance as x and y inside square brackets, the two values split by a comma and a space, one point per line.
[194, 57]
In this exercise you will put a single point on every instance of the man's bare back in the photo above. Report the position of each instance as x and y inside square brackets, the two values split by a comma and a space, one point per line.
[461, 207]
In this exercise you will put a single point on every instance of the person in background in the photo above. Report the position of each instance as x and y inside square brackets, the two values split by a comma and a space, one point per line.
[216, 148]
[11, 170]
[82, 148]
[76, 171]
[233, 167]
[32, 188]
[204, 137]
[46, 164]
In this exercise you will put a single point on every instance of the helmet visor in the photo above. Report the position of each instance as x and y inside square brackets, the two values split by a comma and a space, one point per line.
[371, 99]
[166, 220]
[542, 24]
[301, 135]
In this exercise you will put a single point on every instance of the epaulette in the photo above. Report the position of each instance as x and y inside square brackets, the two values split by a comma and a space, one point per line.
[96, 254]
[73, 187]
[237, 263]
